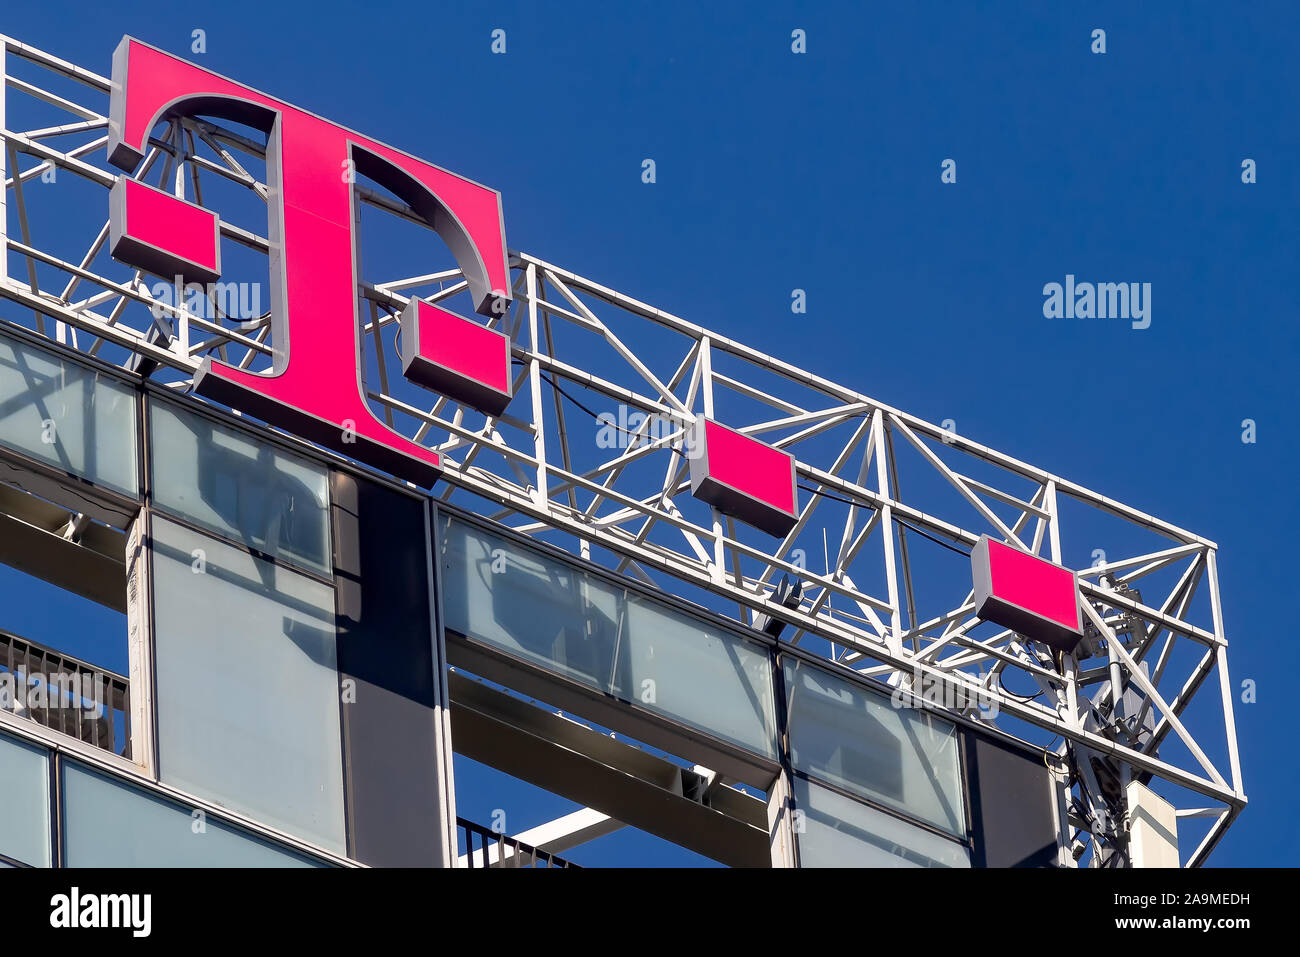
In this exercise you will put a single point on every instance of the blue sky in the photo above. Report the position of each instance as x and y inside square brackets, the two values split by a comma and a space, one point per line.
[821, 171]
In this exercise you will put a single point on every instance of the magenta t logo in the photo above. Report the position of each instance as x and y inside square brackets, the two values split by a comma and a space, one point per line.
[314, 388]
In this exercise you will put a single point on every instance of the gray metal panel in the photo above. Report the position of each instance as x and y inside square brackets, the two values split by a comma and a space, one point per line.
[1011, 795]
[385, 645]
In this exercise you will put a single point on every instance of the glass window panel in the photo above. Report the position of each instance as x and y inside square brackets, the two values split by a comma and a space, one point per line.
[691, 671]
[530, 605]
[25, 808]
[544, 610]
[109, 823]
[247, 686]
[246, 490]
[837, 831]
[66, 415]
[904, 758]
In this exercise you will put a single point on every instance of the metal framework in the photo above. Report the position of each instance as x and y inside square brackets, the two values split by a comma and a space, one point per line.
[588, 455]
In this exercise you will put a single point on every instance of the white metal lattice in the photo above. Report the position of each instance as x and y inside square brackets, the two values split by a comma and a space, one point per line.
[888, 602]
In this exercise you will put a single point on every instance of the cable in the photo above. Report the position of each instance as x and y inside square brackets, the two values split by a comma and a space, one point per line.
[937, 541]
[1065, 764]
[836, 498]
[1018, 697]
[807, 488]
[603, 421]
[919, 531]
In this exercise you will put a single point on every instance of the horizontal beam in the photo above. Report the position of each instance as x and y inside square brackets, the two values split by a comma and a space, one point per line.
[616, 779]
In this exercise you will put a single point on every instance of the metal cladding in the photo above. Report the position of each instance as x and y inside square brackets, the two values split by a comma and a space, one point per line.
[456, 357]
[1027, 594]
[156, 232]
[743, 477]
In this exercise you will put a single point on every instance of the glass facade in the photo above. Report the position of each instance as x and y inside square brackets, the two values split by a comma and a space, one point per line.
[836, 831]
[104, 821]
[248, 491]
[25, 808]
[68, 416]
[247, 687]
[852, 737]
[612, 639]
[245, 607]
[109, 823]
[855, 754]
[693, 672]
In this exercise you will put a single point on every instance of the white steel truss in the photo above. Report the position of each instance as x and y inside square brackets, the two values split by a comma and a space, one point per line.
[588, 455]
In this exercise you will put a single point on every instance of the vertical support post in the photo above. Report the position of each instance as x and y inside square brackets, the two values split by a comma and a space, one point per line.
[718, 572]
[181, 343]
[887, 531]
[742, 613]
[1225, 683]
[1069, 665]
[442, 710]
[562, 432]
[1153, 839]
[535, 374]
[21, 204]
[139, 640]
[1117, 699]
[780, 822]
[902, 537]
[1061, 814]
[706, 374]
[1054, 524]
[1070, 669]
[781, 825]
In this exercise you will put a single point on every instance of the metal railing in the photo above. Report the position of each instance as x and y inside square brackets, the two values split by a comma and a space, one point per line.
[65, 694]
[498, 850]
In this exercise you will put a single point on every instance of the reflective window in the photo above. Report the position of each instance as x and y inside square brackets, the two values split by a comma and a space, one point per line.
[109, 823]
[691, 671]
[609, 638]
[247, 688]
[25, 817]
[847, 735]
[529, 605]
[836, 831]
[246, 490]
[70, 417]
